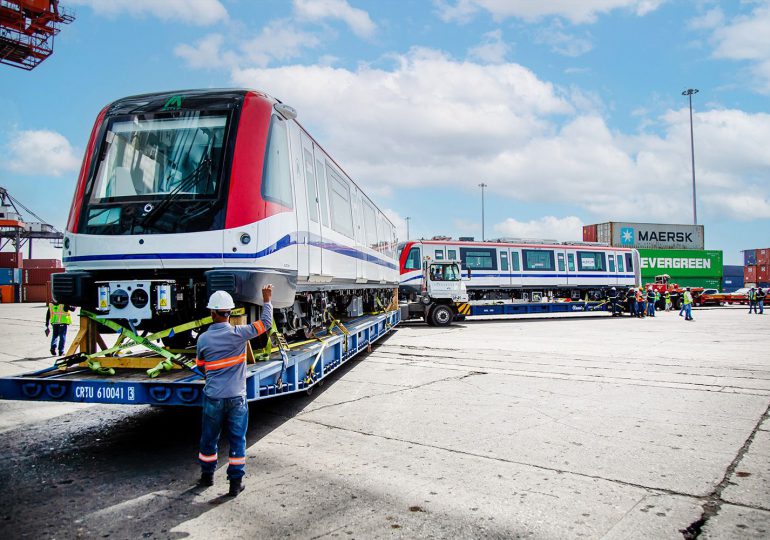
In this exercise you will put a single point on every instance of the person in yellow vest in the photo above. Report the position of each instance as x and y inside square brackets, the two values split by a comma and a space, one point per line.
[59, 317]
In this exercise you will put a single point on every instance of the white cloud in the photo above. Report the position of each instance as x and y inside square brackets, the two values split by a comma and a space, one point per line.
[398, 222]
[576, 11]
[548, 227]
[41, 152]
[197, 12]
[562, 42]
[278, 40]
[713, 18]
[746, 38]
[357, 20]
[421, 124]
[492, 49]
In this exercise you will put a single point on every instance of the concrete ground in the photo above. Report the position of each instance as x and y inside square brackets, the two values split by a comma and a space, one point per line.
[581, 426]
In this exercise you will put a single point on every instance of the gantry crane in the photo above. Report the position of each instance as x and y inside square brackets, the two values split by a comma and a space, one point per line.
[27, 30]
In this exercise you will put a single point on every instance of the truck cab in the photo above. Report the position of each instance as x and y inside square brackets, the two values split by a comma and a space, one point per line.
[442, 281]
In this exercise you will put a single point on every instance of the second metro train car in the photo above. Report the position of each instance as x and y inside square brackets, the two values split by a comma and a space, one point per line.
[184, 193]
[515, 270]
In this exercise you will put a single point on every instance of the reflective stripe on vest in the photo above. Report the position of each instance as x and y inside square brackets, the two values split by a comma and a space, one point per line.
[59, 315]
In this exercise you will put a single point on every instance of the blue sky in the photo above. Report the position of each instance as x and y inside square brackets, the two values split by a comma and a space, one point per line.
[571, 112]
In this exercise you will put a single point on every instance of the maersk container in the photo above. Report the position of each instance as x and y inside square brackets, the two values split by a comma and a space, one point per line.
[650, 235]
[750, 257]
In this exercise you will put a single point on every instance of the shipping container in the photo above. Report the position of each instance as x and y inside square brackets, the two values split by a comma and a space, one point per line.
[7, 294]
[9, 259]
[732, 270]
[10, 276]
[763, 256]
[762, 273]
[35, 293]
[650, 235]
[732, 283]
[681, 263]
[589, 233]
[750, 274]
[39, 276]
[42, 263]
[750, 257]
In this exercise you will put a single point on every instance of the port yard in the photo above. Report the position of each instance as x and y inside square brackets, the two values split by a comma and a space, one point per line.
[542, 427]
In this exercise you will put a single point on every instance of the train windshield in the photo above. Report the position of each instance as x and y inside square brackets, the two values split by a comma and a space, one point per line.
[158, 174]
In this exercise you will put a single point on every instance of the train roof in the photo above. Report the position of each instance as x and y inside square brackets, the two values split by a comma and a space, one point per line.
[524, 244]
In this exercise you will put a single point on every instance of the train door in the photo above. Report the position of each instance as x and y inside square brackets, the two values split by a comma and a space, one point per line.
[613, 277]
[323, 206]
[620, 260]
[505, 268]
[515, 268]
[571, 268]
[561, 268]
[359, 236]
[300, 204]
[314, 234]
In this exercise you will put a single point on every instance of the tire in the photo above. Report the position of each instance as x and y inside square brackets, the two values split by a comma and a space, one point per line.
[441, 315]
[459, 318]
[427, 317]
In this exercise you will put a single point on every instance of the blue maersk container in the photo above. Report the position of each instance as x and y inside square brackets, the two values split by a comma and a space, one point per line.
[750, 257]
[10, 276]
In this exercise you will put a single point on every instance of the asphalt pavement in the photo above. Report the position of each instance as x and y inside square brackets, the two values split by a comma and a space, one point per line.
[546, 427]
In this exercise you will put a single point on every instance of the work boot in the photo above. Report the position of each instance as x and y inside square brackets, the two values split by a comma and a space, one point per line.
[53, 352]
[236, 486]
[206, 480]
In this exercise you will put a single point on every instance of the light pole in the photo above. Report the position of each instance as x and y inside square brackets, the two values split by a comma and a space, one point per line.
[407, 219]
[482, 186]
[689, 93]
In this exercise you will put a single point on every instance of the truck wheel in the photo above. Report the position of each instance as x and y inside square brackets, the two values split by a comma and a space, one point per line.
[441, 315]
[428, 317]
[459, 317]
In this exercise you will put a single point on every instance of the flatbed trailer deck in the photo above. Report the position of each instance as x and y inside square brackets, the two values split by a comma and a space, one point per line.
[306, 366]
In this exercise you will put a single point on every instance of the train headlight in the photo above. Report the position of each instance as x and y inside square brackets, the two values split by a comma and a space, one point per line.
[119, 298]
[163, 297]
[139, 298]
[103, 298]
[245, 239]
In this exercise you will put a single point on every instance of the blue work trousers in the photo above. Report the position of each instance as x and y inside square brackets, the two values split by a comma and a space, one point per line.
[640, 309]
[688, 312]
[651, 309]
[59, 334]
[232, 414]
[761, 304]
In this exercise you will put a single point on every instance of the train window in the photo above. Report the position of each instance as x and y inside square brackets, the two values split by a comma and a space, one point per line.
[629, 263]
[503, 260]
[515, 261]
[413, 260]
[339, 196]
[611, 260]
[560, 260]
[571, 262]
[620, 263]
[452, 254]
[479, 259]
[590, 261]
[312, 194]
[370, 222]
[439, 254]
[537, 259]
[322, 201]
[276, 178]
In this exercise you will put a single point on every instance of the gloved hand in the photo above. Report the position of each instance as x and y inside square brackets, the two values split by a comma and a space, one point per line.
[47, 331]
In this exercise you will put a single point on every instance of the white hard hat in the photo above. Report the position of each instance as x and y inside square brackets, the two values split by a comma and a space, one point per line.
[221, 301]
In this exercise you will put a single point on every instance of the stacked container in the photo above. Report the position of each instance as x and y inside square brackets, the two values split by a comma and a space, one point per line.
[37, 279]
[756, 267]
[732, 278]
[10, 276]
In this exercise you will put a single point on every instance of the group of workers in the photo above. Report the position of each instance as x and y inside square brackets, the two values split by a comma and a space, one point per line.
[756, 298]
[641, 302]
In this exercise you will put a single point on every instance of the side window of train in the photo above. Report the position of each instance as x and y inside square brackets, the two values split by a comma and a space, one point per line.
[322, 192]
[504, 260]
[439, 254]
[611, 261]
[312, 194]
[571, 262]
[370, 222]
[620, 263]
[479, 258]
[537, 259]
[276, 175]
[341, 207]
[560, 260]
[452, 254]
[590, 261]
[629, 263]
[413, 260]
[515, 261]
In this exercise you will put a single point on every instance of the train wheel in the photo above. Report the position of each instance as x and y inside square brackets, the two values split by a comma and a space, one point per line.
[441, 315]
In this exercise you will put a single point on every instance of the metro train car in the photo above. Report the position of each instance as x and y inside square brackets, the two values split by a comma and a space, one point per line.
[181, 194]
[519, 270]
